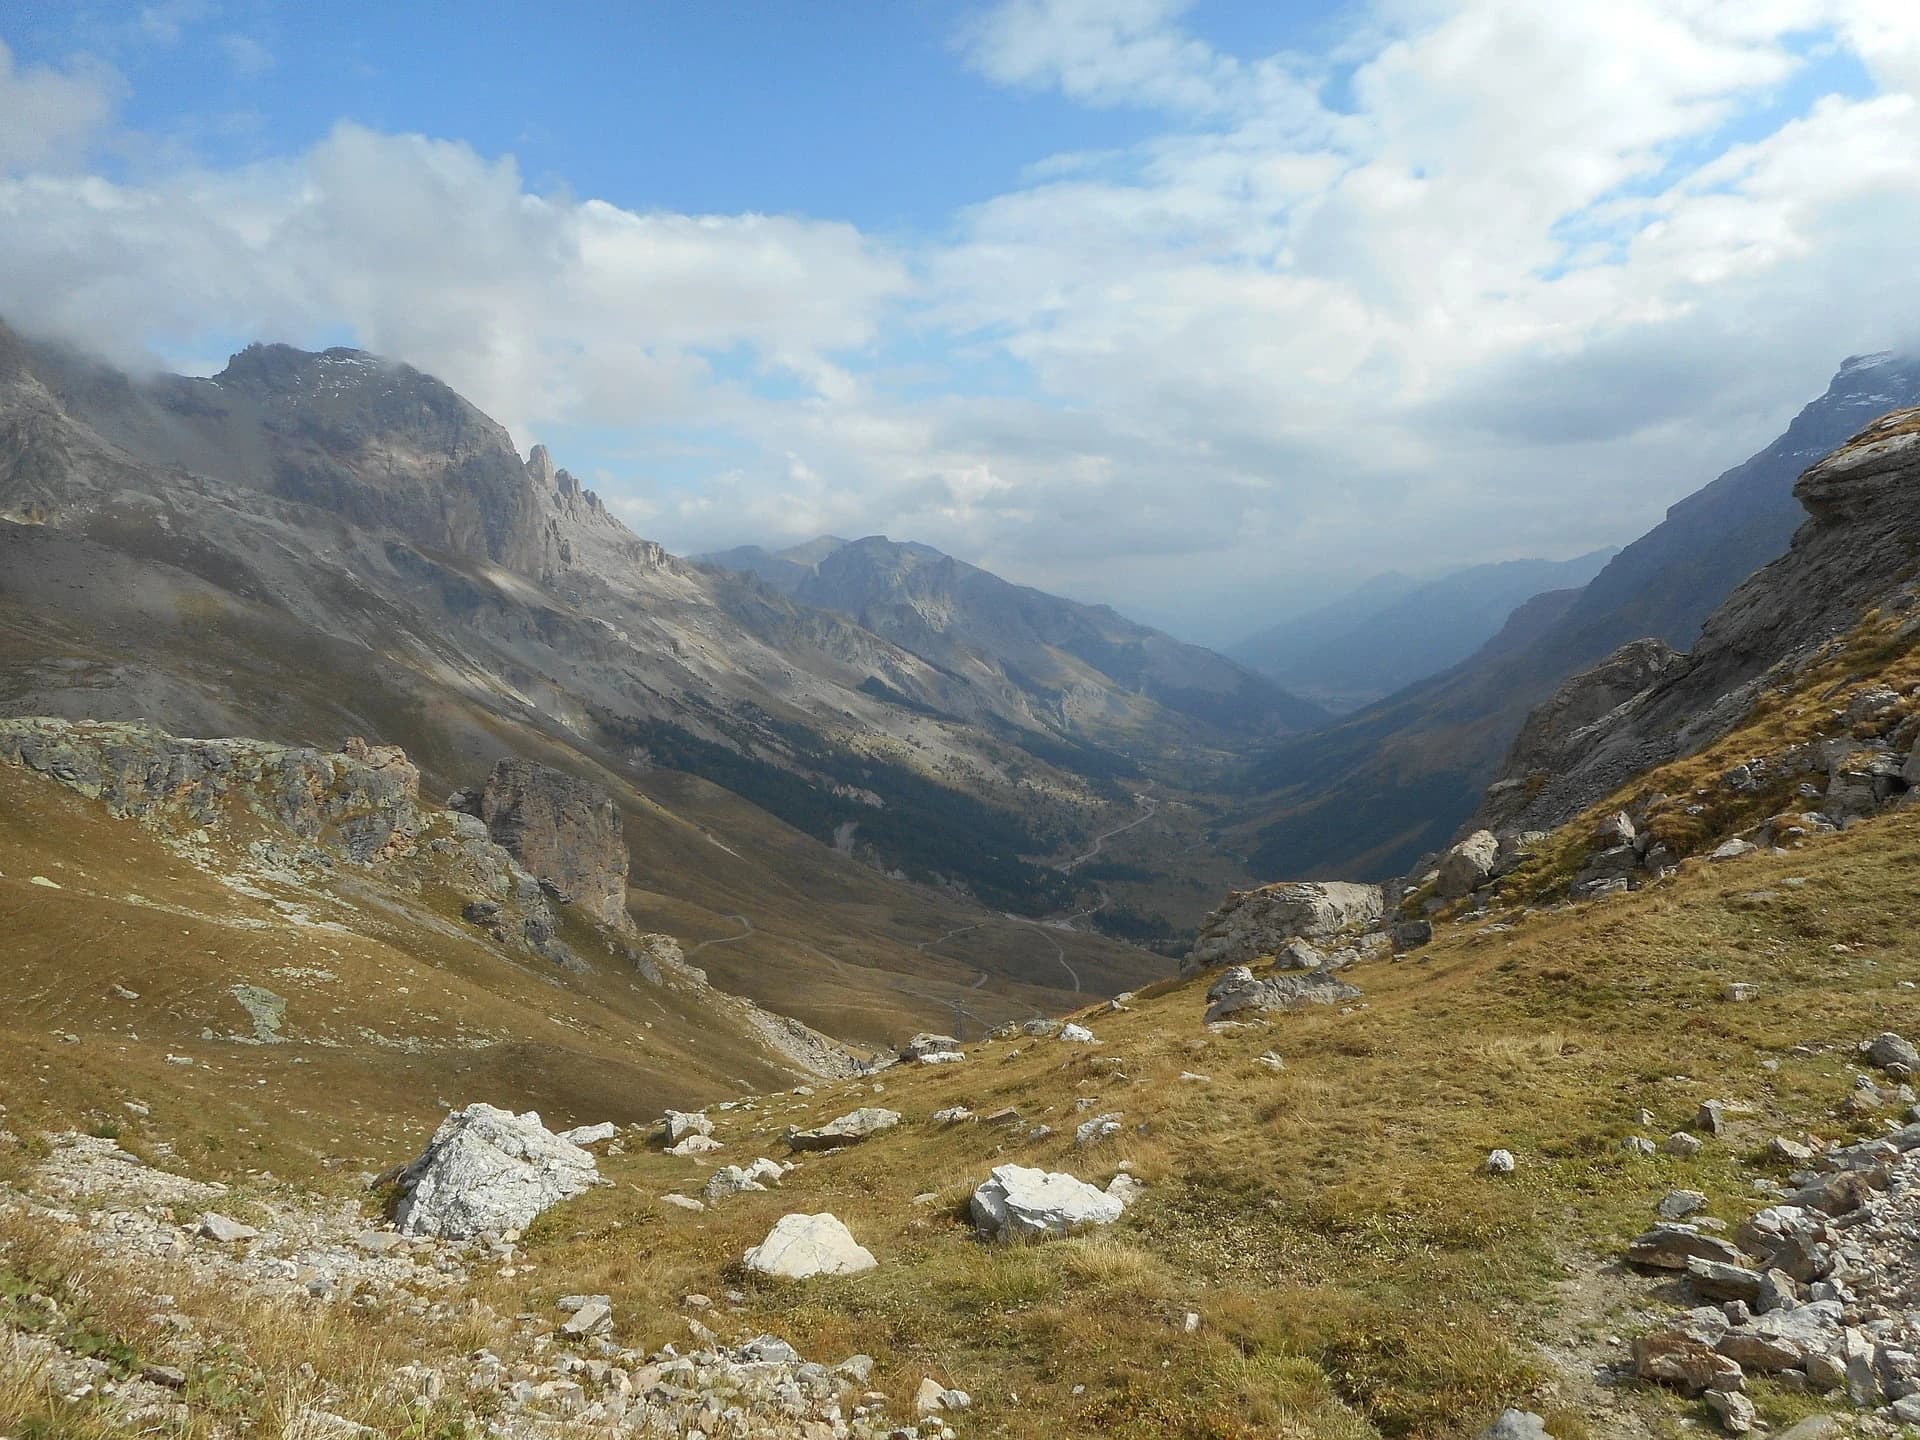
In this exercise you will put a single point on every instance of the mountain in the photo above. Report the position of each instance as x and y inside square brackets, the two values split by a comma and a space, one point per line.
[313, 545]
[1371, 793]
[1083, 669]
[1840, 597]
[1394, 631]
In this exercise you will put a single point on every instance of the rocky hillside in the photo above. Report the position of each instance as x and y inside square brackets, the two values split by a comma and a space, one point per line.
[1371, 793]
[1087, 670]
[1531, 1178]
[1360, 649]
[310, 545]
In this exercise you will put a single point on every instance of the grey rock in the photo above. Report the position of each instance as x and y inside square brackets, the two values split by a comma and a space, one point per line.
[1517, 1425]
[1734, 1410]
[1251, 924]
[849, 1129]
[1017, 1202]
[487, 1169]
[1888, 1049]
[1670, 1247]
[1237, 990]
[1467, 865]
[224, 1230]
[1718, 1280]
[565, 832]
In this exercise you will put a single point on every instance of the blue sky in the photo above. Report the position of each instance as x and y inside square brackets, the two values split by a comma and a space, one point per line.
[1202, 309]
[858, 110]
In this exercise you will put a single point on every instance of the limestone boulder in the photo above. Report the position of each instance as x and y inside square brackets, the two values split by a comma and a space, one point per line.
[849, 1129]
[1467, 866]
[1238, 990]
[799, 1247]
[489, 1170]
[1018, 1202]
[1252, 924]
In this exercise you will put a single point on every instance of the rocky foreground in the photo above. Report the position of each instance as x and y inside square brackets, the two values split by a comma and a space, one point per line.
[164, 1243]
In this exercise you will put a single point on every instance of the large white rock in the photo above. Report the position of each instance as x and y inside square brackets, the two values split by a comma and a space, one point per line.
[802, 1246]
[1019, 1202]
[1254, 923]
[1470, 864]
[487, 1169]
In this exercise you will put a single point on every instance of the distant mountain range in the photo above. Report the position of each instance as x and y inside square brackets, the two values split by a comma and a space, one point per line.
[1369, 794]
[1084, 669]
[1395, 630]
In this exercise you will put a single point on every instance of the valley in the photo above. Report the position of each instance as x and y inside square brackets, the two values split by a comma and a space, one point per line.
[738, 913]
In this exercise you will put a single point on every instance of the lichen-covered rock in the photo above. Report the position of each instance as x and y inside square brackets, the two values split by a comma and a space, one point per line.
[489, 1170]
[361, 803]
[1255, 923]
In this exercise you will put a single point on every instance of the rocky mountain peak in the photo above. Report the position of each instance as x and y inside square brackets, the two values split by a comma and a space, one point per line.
[540, 467]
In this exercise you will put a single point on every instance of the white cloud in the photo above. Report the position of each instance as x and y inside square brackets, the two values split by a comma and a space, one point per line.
[1491, 278]
[48, 116]
[540, 308]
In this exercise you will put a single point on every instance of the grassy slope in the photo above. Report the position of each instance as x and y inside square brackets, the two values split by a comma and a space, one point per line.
[394, 1015]
[1355, 1273]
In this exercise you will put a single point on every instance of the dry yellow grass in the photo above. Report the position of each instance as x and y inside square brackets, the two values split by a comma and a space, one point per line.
[1355, 1272]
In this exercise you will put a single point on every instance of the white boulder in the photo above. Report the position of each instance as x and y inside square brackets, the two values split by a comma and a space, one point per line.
[677, 1125]
[487, 1169]
[802, 1246]
[1019, 1202]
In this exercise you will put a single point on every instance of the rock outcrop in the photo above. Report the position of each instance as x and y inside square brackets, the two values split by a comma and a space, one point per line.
[488, 1171]
[1550, 740]
[1854, 552]
[1018, 1202]
[361, 803]
[1252, 924]
[1239, 989]
[563, 831]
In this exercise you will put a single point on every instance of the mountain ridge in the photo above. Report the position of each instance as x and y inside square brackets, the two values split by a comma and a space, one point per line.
[1369, 794]
[1058, 651]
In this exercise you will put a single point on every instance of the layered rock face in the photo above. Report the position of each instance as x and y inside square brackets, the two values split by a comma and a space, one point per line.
[362, 802]
[1254, 923]
[562, 830]
[1549, 742]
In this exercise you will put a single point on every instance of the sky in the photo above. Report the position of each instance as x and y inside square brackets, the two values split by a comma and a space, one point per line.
[1207, 310]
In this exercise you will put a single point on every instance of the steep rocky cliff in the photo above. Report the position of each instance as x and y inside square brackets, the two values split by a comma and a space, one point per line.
[1856, 551]
[1367, 795]
[564, 831]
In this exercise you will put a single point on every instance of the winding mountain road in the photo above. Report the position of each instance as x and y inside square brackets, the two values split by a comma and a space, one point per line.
[1100, 840]
[726, 939]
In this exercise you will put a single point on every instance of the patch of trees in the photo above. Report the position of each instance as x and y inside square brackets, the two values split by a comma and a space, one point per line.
[929, 831]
